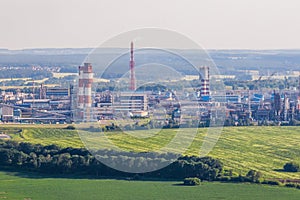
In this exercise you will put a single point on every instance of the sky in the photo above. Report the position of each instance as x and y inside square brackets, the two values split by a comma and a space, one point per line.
[213, 24]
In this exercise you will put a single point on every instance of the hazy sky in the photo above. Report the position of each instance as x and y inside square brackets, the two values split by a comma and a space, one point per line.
[214, 24]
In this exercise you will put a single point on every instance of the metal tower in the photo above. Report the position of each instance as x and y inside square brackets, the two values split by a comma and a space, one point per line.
[132, 73]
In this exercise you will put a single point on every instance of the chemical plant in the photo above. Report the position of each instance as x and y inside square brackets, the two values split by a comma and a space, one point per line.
[81, 102]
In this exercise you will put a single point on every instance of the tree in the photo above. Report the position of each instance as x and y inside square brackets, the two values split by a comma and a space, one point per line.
[33, 160]
[291, 167]
[26, 147]
[254, 176]
[5, 156]
[18, 157]
[64, 161]
[192, 181]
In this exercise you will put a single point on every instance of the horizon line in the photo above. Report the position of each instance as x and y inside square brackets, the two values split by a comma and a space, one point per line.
[209, 49]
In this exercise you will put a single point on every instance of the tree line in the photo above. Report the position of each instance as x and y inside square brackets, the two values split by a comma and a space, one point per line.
[52, 159]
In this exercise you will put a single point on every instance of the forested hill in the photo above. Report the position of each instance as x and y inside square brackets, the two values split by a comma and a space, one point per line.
[226, 60]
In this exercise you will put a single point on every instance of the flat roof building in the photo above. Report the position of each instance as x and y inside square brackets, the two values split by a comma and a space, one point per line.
[134, 101]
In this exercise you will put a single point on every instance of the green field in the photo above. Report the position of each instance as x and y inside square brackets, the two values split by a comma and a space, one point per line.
[265, 149]
[22, 186]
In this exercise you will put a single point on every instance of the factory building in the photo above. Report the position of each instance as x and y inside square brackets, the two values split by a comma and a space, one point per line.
[6, 113]
[37, 103]
[57, 92]
[132, 102]
[226, 98]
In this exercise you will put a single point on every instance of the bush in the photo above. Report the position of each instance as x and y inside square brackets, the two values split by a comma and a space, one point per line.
[70, 127]
[224, 178]
[291, 167]
[292, 185]
[192, 181]
[254, 176]
[236, 179]
[228, 173]
[270, 182]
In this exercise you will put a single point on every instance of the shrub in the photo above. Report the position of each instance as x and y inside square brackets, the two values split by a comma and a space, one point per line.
[224, 178]
[70, 127]
[270, 182]
[192, 181]
[254, 176]
[292, 185]
[136, 177]
[228, 172]
[236, 179]
[291, 167]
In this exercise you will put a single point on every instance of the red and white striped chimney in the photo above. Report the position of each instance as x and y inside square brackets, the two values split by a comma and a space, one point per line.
[85, 82]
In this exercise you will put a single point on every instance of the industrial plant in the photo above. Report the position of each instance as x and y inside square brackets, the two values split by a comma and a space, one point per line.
[81, 101]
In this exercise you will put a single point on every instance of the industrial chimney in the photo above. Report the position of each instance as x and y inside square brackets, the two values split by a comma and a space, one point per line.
[132, 86]
[204, 90]
[85, 86]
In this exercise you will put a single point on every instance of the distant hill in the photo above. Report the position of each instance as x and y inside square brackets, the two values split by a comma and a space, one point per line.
[228, 61]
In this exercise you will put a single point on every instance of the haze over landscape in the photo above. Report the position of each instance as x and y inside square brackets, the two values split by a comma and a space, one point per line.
[213, 24]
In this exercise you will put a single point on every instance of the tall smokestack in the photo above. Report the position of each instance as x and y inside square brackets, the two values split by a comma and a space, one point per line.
[204, 90]
[132, 73]
[298, 99]
[85, 86]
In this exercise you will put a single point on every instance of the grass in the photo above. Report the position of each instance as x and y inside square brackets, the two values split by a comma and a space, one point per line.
[23, 186]
[61, 137]
[265, 149]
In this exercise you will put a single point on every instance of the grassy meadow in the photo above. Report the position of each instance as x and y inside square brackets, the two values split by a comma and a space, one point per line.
[25, 186]
[265, 149]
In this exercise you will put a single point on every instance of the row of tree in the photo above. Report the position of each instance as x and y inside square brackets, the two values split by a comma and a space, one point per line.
[55, 160]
